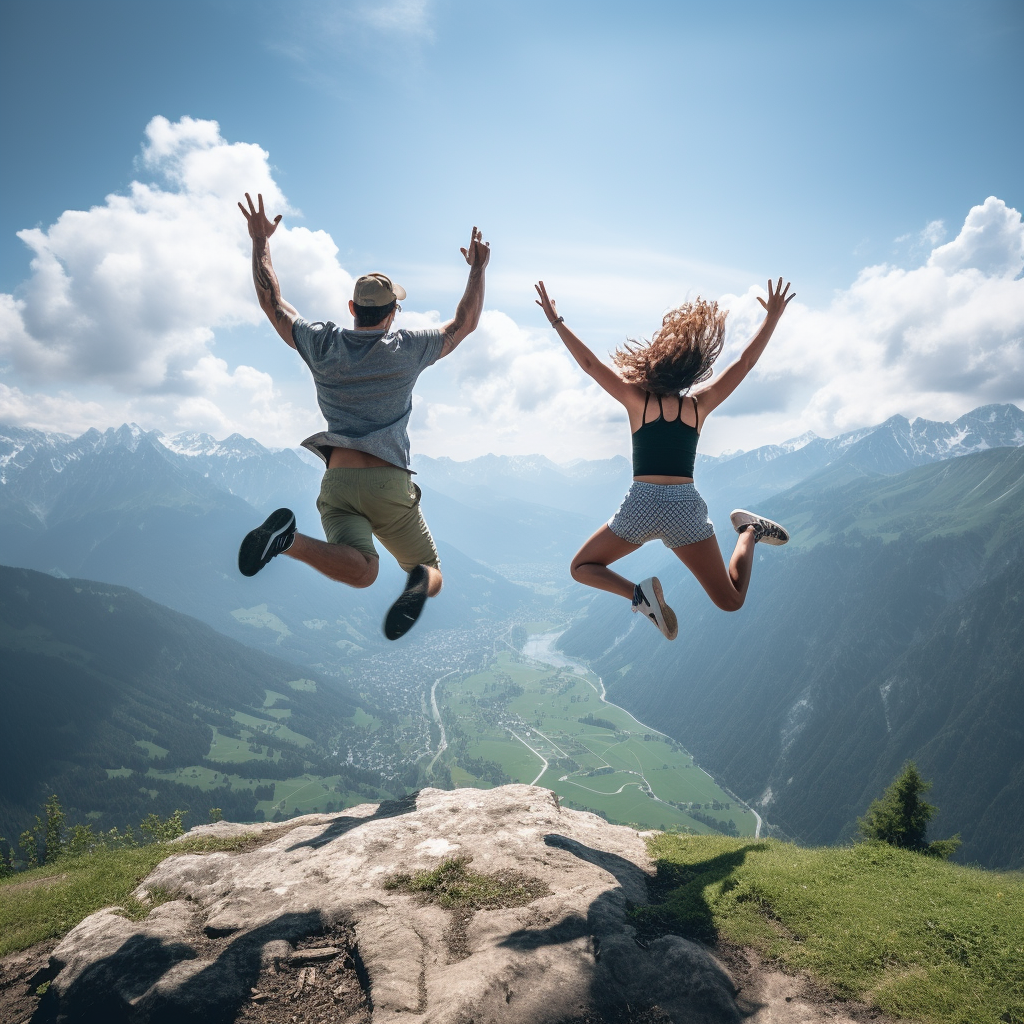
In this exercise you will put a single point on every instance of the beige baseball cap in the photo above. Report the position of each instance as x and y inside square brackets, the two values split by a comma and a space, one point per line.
[376, 290]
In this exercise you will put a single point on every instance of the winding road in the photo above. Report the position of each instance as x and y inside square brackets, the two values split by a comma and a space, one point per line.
[540, 648]
[443, 744]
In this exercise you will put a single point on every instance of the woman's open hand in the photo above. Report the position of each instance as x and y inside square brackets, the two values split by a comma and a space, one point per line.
[547, 304]
[778, 300]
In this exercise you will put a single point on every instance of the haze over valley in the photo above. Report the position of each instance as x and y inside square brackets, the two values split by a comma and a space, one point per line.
[884, 631]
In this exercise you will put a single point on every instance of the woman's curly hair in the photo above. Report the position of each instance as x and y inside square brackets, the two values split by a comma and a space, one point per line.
[680, 353]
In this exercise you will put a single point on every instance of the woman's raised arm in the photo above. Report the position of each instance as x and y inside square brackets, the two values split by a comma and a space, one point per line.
[716, 393]
[589, 363]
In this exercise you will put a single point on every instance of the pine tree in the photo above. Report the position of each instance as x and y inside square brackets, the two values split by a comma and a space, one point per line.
[900, 818]
[53, 828]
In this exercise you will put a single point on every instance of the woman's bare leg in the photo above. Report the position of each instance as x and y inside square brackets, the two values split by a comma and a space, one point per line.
[338, 561]
[728, 589]
[590, 566]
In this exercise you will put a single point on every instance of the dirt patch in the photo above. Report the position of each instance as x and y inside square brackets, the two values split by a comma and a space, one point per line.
[31, 883]
[21, 974]
[771, 994]
[320, 980]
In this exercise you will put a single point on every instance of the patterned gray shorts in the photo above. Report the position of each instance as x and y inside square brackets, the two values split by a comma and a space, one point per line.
[673, 513]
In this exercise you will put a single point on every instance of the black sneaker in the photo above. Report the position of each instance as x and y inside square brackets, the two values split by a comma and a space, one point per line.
[406, 610]
[766, 531]
[266, 541]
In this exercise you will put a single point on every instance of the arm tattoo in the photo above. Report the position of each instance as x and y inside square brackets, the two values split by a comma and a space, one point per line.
[468, 309]
[448, 336]
[268, 289]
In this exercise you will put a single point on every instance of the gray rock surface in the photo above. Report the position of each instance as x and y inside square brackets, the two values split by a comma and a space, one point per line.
[229, 943]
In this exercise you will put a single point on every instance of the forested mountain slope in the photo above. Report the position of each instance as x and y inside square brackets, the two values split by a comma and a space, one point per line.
[104, 692]
[125, 508]
[890, 628]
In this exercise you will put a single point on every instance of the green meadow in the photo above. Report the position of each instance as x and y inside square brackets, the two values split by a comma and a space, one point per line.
[521, 722]
[302, 794]
[914, 936]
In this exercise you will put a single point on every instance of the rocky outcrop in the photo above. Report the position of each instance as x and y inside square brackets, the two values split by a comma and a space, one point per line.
[310, 927]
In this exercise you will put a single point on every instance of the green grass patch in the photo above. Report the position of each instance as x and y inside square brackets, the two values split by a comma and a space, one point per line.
[542, 626]
[915, 936]
[461, 779]
[228, 749]
[365, 721]
[453, 884]
[47, 902]
[152, 749]
[309, 685]
[307, 794]
[264, 732]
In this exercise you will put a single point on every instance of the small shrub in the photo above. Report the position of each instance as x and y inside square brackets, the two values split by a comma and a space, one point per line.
[162, 831]
[452, 884]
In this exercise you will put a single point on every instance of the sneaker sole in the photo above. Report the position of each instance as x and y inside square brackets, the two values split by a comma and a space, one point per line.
[741, 517]
[671, 622]
[252, 553]
[403, 614]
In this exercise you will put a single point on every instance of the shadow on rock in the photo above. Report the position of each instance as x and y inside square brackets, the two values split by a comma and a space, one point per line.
[160, 982]
[670, 976]
[632, 882]
[101, 991]
[344, 824]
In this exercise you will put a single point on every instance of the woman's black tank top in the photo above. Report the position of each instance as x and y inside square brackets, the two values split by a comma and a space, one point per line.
[665, 447]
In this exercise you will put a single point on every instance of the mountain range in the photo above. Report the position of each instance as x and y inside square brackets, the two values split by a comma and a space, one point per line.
[165, 517]
[885, 630]
[888, 629]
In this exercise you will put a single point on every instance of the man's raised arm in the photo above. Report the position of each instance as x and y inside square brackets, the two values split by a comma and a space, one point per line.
[280, 313]
[467, 314]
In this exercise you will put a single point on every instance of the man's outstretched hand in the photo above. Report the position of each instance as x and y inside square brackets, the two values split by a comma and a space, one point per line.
[478, 253]
[260, 226]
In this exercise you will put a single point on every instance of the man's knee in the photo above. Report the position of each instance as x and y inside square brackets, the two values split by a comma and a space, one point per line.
[369, 576]
[436, 581]
[574, 569]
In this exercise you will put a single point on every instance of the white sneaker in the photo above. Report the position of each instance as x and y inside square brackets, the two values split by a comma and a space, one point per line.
[649, 600]
[766, 531]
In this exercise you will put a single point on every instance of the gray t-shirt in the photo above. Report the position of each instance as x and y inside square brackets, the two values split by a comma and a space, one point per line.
[364, 382]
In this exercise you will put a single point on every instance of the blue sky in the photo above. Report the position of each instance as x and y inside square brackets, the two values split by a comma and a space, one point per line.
[633, 155]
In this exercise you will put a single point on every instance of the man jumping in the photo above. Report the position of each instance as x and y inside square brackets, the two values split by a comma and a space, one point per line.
[364, 380]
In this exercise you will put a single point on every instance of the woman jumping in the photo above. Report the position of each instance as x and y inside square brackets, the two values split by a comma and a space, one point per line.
[653, 383]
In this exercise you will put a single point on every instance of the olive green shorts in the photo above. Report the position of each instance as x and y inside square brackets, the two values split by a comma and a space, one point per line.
[356, 504]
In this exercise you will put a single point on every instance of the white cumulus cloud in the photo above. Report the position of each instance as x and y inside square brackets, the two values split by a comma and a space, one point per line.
[933, 341]
[130, 294]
